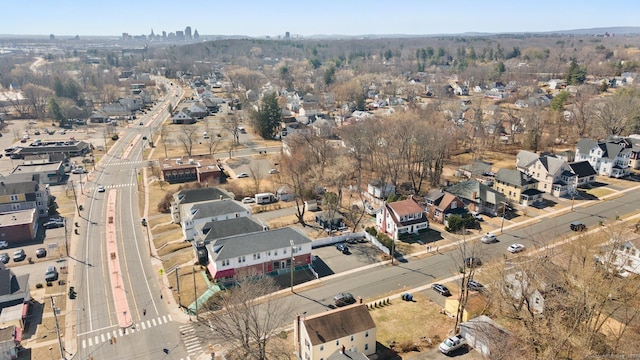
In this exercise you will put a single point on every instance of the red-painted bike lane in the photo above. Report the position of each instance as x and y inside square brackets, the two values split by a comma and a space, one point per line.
[115, 273]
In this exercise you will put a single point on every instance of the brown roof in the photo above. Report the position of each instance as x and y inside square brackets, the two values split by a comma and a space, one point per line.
[446, 200]
[405, 207]
[336, 324]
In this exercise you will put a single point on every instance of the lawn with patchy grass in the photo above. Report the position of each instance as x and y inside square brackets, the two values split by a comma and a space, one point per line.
[411, 322]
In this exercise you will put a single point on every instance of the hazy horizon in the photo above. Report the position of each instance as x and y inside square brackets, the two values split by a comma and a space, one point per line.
[331, 17]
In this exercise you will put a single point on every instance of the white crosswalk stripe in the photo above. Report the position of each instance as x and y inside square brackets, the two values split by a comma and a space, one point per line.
[90, 341]
[191, 340]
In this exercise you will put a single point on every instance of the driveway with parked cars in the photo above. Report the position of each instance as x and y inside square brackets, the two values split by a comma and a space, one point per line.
[331, 260]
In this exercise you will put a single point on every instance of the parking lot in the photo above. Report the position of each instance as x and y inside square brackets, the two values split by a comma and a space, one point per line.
[328, 260]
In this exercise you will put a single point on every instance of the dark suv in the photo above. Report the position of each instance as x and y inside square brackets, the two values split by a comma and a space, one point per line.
[578, 226]
[343, 299]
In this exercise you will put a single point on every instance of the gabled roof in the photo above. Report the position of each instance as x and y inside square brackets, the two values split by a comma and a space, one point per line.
[552, 164]
[445, 201]
[467, 189]
[245, 244]
[477, 167]
[525, 158]
[11, 285]
[348, 355]
[9, 187]
[514, 177]
[220, 229]
[405, 207]
[582, 169]
[216, 208]
[335, 324]
[585, 145]
[199, 195]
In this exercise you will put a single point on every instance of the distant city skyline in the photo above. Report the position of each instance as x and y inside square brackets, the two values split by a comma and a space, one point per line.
[329, 17]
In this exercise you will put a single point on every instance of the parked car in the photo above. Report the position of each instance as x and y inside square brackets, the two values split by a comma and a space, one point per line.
[343, 299]
[452, 344]
[4, 258]
[476, 215]
[141, 123]
[248, 200]
[51, 274]
[472, 262]
[37, 132]
[343, 248]
[52, 225]
[515, 248]
[273, 171]
[19, 255]
[441, 289]
[475, 286]
[242, 175]
[578, 226]
[4, 244]
[79, 170]
[489, 238]
[41, 252]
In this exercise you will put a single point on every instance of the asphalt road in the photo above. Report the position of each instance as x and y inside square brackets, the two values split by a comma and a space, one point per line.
[152, 328]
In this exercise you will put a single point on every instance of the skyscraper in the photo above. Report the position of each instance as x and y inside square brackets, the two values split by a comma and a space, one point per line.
[187, 33]
[196, 36]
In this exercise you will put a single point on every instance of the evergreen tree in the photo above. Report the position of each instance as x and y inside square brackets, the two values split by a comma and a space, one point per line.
[576, 74]
[267, 119]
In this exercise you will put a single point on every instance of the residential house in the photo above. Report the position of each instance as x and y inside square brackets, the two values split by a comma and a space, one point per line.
[555, 84]
[184, 198]
[214, 230]
[477, 196]
[211, 105]
[518, 285]
[534, 284]
[310, 109]
[266, 252]
[380, 189]
[198, 214]
[201, 169]
[323, 128]
[330, 220]
[441, 204]
[14, 299]
[554, 175]
[342, 330]
[477, 169]
[624, 258]
[585, 173]
[24, 192]
[517, 187]
[487, 337]
[608, 158]
[18, 227]
[402, 217]
[182, 117]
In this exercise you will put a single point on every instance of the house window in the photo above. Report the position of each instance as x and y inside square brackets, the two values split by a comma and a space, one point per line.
[366, 347]
[284, 251]
[275, 252]
[13, 197]
[366, 333]
[321, 347]
[15, 206]
[38, 194]
[337, 342]
[351, 337]
[306, 343]
[269, 253]
[225, 262]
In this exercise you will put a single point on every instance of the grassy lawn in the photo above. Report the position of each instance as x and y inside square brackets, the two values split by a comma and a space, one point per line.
[598, 192]
[405, 322]
[187, 279]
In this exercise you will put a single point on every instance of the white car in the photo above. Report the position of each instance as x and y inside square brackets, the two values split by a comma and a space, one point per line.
[452, 344]
[248, 200]
[101, 188]
[515, 248]
[243, 175]
[273, 171]
[489, 238]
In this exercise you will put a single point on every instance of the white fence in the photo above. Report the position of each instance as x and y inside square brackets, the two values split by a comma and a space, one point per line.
[344, 237]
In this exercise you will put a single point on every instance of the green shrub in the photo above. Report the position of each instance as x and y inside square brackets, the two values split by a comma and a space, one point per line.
[39, 286]
[371, 230]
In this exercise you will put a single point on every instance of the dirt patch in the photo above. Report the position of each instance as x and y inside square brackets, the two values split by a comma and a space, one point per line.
[188, 282]
[163, 251]
[415, 322]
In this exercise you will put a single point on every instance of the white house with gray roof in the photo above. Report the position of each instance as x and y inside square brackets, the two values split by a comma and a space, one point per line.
[554, 175]
[265, 252]
[608, 158]
[186, 198]
[199, 214]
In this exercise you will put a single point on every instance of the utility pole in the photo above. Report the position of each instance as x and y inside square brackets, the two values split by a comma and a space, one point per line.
[66, 237]
[291, 267]
[195, 293]
[178, 286]
[504, 208]
[75, 199]
[55, 316]
[81, 189]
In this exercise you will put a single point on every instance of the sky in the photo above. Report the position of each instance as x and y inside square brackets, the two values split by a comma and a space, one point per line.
[302, 17]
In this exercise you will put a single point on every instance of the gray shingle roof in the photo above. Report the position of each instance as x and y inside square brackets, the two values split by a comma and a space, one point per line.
[225, 228]
[199, 195]
[216, 208]
[466, 190]
[513, 177]
[336, 324]
[582, 168]
[525, 158]
[258, 242]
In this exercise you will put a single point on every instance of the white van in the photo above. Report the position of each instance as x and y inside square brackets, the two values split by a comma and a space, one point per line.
[205, 135]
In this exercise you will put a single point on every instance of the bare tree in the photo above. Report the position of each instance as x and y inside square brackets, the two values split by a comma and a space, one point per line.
[231, 125]
[37, 97]
[164, 139]
[213, 141]
[246, 320]
[297, 173]
[188, 137]
[255, 172]
[613, 114]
